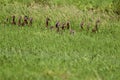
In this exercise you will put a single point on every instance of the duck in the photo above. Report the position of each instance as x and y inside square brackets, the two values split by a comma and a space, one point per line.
[57, 26]
[19, 20]
[47, 22]
[63, 26]
[95, 29]
[6, 21]
[68, 24]
[25, 22]
[72, 32]
[31, 21]
[82, 24]
[88, 26]
[51, 27]
[13, 20]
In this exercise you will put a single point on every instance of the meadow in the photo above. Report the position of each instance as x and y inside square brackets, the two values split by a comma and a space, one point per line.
[37, 53]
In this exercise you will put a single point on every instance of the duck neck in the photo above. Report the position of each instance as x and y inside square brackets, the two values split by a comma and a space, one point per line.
[19, 21]
[47, 22]
[13, 19]
[57, 25]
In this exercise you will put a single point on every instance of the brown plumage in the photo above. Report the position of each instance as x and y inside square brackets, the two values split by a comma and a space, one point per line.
[19, 21]
[68, 25]
[88, 26]
[57, 26]
[63, 26]
[95, 29]
[25, 22]
[6, 21]
[31, 21]
[82, 24]
[51, 27]
[13, 20]
[72, 32]
[47, 22]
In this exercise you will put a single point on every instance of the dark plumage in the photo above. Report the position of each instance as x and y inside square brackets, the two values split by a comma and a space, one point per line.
[19, 21]
[72, 31]
[31, 21]
[63, 26]
[51, 27]
[26, 20]
[82, 24]
[47, 22]
[88, 26]
[68, 25]
[13, 20]
[95, 29]
[57, 26]
[6, 21]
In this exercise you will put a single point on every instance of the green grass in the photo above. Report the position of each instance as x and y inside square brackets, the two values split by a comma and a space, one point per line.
[36, 53]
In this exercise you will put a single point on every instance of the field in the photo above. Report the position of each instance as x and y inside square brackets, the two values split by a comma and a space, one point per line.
[37, 53]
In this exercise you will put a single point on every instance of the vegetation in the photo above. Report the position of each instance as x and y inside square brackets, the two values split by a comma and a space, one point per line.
[37, 53]
[116, 5]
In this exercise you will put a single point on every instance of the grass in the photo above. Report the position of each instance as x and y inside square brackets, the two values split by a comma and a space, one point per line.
[36, 53]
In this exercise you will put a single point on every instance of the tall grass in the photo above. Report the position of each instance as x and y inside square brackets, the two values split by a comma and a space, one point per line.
[30, 53]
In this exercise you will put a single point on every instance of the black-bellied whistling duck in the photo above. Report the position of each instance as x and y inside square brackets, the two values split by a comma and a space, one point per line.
[95, 29]
[47, 22]
[31, 21]
[19, 20]
[82, 25]
[13, 20]
[88, 26]
[51, 27]
[25, 22]
[6, 20]
[72, 31]
[63, 26]
[68, 25]
[57, 26]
